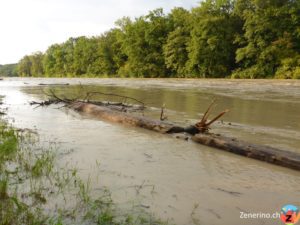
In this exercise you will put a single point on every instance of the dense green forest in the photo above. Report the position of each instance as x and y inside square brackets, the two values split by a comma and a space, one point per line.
[219, 38]
[8, 70]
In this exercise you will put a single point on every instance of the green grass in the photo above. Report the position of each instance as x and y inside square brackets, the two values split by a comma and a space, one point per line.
[8, 143]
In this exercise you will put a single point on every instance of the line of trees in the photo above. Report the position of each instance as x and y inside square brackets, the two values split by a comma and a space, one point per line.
[8, 70]
[219, 38]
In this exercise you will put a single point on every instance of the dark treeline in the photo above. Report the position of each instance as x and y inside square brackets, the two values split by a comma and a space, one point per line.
[220, 38]
[8, 70]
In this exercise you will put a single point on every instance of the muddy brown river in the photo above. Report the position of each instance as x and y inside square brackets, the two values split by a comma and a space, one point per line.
[179, 181]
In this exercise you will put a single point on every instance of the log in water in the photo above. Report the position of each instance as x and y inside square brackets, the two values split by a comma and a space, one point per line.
[108, 114]
[263, 153]
[260, 152]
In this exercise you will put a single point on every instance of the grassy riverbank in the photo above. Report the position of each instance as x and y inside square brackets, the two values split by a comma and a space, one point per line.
[34, 189]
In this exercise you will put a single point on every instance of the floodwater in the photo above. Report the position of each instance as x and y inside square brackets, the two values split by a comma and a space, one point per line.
[179, 181]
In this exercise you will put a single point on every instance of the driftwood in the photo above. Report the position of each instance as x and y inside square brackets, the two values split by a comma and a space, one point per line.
[45, 103]
[260, 152]
[120, 112]
[105, 113]
[263, 153]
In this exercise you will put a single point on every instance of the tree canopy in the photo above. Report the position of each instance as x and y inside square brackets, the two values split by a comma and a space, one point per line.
[8, 70]
[219, 38]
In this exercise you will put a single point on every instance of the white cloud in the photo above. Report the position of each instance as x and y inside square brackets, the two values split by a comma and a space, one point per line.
[33, 25]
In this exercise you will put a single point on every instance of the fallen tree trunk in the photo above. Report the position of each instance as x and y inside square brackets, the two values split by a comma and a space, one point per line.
[108, 114]
[260, 152]
[263, 153]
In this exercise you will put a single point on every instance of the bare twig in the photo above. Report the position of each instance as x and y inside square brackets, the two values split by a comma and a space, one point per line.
[217, 117]
[44, 103]
[207, 113]
[162, 113]
[90, 94]
[58, 98]
[203, 125]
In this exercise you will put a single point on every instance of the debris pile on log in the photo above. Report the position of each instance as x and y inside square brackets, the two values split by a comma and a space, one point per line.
[121, 113]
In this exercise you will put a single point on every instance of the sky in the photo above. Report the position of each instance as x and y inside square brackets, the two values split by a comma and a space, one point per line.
[27, 26]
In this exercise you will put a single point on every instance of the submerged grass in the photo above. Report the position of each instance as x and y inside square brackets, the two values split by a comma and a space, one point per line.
[34, 190]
